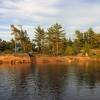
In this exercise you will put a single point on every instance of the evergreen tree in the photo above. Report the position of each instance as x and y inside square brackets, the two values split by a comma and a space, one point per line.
[63, 45]
[97, 40]
[79, 40]
[40, 39]
[69, 51]
[86, 49]
[21, 37]
[50, 41]
[86, 37]
[91, 38]
[70, 42]
[54, 37]
[75, 49]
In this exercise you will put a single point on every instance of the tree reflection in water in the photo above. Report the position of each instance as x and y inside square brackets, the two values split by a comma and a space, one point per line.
[53, 81]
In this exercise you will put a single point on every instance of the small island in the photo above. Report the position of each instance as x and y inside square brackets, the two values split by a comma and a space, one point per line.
[52, 45]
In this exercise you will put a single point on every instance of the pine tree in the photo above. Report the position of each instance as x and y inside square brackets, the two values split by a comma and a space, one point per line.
[54, 37]
[40, 39]
[20, 36]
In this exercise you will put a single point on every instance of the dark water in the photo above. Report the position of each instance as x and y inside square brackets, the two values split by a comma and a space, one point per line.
[75, 81]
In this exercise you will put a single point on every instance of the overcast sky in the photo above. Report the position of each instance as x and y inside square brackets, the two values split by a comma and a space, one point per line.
[71, 14]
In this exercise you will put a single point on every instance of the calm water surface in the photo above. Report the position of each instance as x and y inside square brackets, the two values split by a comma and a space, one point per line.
[60, 81]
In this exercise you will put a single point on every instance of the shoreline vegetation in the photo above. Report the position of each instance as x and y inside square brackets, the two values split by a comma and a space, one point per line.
[50, 45]
[21, 58]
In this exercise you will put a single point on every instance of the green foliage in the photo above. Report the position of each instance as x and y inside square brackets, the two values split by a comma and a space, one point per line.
[98, 55]
[20, 37]
[91, 38]
[79, 40]
[75, 49]
[97, 40]
[40, 39]
[4, 45]
[70, 43]
[86, 49]
[51, 42]
[55, 37]
[63, 45]
[69, 51]
[8, 52]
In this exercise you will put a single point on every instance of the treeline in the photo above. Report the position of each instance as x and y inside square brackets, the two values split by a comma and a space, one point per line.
[51, 42]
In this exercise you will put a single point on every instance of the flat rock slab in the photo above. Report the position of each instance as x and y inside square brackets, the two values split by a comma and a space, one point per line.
[15, 58]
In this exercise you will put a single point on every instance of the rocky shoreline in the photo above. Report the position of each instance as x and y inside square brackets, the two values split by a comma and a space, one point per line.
[62, 59]
[25, 58]
[15, 58]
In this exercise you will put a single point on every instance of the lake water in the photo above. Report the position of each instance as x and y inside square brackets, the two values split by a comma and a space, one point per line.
[54, 81]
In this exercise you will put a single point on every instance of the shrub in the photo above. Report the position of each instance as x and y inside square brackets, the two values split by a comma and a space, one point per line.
[86, 49]
[69, 51]
[8, 52]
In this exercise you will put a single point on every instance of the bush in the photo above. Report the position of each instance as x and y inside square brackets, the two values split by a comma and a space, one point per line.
[8, 52]
[98, 55]
[86, 49]
[69, 51]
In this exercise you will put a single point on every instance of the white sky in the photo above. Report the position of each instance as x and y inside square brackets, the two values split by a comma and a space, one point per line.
[71, 14]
